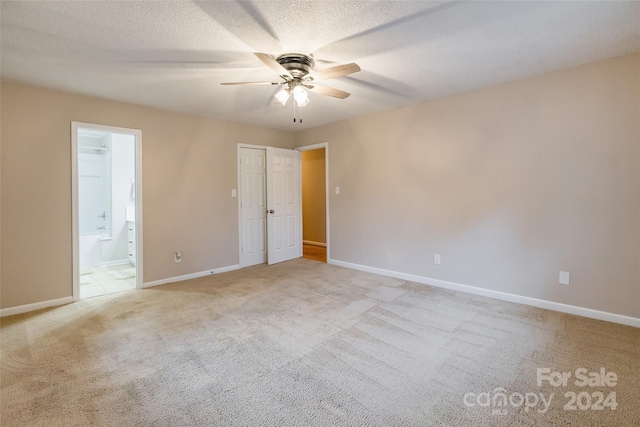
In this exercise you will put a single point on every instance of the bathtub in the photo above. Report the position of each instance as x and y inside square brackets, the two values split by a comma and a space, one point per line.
[90, 250]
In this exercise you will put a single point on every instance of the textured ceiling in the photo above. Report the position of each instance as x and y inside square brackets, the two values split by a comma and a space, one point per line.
[173, 55]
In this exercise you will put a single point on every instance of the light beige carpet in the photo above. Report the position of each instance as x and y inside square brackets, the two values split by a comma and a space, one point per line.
[306, 343]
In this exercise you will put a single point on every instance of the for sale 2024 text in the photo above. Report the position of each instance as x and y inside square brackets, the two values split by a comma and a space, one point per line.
[582, 377]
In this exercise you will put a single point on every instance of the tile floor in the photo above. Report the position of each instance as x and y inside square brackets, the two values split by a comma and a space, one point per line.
[96, 281]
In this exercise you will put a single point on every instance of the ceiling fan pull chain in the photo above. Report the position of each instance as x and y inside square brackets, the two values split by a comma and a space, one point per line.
[294, 112]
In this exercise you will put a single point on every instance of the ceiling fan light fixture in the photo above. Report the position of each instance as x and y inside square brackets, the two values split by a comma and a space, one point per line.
[297, 77]
[302, 103]
[282, 96]
[301, 96]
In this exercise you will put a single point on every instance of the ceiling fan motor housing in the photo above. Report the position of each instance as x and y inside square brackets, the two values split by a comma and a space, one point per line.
[299, 65]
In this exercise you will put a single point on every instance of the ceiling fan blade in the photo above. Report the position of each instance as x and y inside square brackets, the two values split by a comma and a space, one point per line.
[333, 72]
[187, 65]
[329, 91]
[251, 83]
[273, 64]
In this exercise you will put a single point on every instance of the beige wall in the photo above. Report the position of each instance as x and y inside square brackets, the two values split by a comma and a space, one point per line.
[189, 169]
[510, 184]
[314, 198]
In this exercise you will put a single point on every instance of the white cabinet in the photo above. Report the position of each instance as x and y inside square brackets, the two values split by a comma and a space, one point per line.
[131, 238]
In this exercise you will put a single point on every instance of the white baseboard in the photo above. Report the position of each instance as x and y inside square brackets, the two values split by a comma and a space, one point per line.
[504, 296]
[35, 306]
[116, 262]
[191, 276]
[312, 243]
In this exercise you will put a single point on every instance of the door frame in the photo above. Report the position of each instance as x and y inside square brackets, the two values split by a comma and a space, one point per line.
[324, 145]
[137, 134]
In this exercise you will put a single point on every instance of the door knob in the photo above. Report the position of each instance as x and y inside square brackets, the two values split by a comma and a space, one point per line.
[271, 211]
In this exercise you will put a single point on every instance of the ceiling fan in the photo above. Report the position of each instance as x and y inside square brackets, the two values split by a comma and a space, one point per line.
[295, 71]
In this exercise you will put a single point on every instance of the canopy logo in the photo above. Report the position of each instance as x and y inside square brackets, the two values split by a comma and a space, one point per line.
[499, 400]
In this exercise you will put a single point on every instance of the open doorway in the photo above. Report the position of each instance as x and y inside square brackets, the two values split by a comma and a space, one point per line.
[106, 210]
[314, 202]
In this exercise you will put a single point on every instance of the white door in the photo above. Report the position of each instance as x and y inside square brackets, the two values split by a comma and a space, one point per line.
[253, 207]
[284, 205]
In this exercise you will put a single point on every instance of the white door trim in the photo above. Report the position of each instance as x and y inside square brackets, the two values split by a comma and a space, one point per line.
[74, 200]
[324, 145]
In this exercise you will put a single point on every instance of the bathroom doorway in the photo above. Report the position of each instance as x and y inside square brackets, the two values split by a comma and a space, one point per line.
[106, 188]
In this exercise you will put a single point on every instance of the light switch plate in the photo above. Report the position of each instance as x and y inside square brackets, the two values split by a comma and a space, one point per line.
[337, 190]
[234, 193]
[564, 278]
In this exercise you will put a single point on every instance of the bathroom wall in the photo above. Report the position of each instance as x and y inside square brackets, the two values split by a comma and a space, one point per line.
[93, 184]
[93, 196]
[122, 172]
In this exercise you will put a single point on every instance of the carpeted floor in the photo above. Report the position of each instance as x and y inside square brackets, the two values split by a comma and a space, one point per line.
[307, 343]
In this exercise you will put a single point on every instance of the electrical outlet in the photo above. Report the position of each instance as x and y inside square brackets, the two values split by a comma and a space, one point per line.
[436, 259]
[564, 278]
[178, 256]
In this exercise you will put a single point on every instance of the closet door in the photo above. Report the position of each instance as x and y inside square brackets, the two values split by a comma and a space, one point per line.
[284, 205]
[253, 207]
